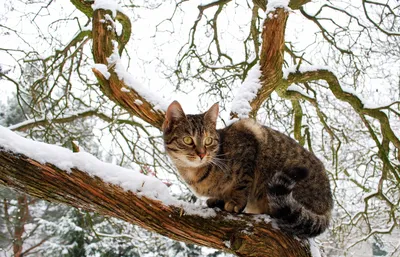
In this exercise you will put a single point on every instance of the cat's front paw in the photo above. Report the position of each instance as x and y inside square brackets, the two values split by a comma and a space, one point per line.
[215, 202]
[233, 206]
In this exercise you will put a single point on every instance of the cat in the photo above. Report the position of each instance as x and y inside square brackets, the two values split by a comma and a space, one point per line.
[249, 167]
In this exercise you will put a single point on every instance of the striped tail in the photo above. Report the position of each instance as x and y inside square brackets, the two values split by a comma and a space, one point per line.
[291, 216]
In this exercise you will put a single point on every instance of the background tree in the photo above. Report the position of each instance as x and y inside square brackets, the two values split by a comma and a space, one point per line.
[348, 114]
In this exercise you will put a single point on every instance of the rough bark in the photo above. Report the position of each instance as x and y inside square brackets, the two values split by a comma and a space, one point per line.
[271, 62]
[242, 235]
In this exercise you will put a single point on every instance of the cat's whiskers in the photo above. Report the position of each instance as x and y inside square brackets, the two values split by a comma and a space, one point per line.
[219, 163]
[189, 160]
[221, 154]
[252, 165]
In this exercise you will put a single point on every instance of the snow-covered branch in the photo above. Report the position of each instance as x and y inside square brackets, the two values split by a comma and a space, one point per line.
[31, 123]
[79, 179]
[350, 97]
[114, 81]
[270, 65]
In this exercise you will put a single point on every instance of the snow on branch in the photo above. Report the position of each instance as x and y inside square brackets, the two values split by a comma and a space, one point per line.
[151, 96]
[272, 5]
[111, 5]
[347, 95]
[42, 121]
[302, 68]
[65, 159]
[246, 93]
[115, 82]
[79, 179]
[102, 68]
[114, 59]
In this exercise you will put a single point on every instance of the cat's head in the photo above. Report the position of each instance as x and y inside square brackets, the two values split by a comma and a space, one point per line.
[190, 140]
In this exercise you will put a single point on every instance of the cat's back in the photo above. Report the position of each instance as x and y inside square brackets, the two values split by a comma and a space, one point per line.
[275, 149]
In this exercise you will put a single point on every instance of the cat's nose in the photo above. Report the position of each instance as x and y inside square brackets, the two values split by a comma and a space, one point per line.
[201, 152]
[201, 155]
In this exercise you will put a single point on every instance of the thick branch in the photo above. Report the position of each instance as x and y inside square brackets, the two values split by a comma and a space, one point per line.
[102, 49]
[242, 235]
[271, 56]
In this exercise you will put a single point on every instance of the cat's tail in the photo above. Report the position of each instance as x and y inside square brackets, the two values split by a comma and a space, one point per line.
[291, 216]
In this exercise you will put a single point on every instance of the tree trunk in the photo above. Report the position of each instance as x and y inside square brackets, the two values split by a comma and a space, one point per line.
[19, 224]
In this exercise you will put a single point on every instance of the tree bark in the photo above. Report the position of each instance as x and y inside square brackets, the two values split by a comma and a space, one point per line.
[271, 62]
[242, 235]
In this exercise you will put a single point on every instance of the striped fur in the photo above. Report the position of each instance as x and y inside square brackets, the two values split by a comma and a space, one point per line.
[290, 215]
[249, 167]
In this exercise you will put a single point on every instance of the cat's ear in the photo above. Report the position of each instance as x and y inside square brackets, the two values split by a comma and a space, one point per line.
[212, 114]
[174, 113]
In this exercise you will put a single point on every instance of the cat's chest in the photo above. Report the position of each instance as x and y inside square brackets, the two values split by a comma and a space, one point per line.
[209, 182]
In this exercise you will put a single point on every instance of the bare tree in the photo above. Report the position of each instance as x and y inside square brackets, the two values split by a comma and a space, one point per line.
[313, 98]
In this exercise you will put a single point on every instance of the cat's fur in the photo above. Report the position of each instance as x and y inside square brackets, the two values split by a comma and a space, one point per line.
[250, 167]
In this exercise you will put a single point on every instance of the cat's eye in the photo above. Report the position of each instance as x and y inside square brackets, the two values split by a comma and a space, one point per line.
[208, 141]
[188, 140]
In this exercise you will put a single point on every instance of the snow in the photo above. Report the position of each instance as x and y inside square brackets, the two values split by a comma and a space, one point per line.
[314, 248]
[377, 103]
[272, 5]
[107, 5]
[23, 123]
[367, 104]
[118, 28]
[349, 90]
[364, 102]
[114, 25]
[124, 89]
[205, 2]
[303, 68]
[247, 92]
[48, 118]
[87, 27]
[65, 159]
[102, 68]
[270, 16]
[262, 218]
[227, 243]
[152, 97]
[296, 88]
[138, 102]
[231, 121]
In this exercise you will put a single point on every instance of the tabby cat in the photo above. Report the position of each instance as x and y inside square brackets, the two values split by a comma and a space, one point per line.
[249, 167]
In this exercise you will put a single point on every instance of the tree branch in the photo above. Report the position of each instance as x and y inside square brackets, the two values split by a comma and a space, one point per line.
[272, 51]
[31, 123]
[354, 101]
[103, 48]
[243, 235]
[296, 4]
